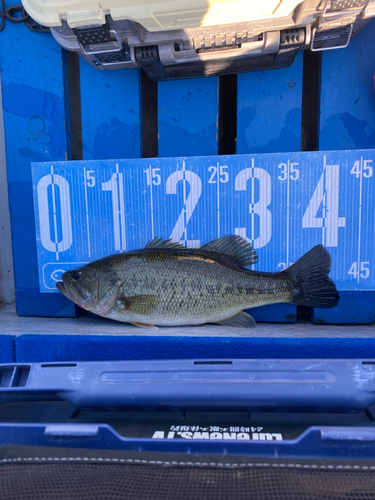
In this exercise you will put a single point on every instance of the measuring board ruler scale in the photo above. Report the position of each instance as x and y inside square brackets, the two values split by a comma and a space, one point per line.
[283, 203]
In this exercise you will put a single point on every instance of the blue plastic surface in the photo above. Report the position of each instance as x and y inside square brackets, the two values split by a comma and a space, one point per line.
[198, 385]
[7, 349]
[355, 307]
[187, 117]
[347, 121]
[347, 96]
[34, 123]
[269, 110]
[36, 348]
[110, 105]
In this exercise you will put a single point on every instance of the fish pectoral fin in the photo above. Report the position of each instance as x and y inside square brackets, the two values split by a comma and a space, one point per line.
[240, 320]
[144, 325]
[143, 305]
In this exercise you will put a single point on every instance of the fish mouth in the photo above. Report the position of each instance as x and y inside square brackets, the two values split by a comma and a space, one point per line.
[67, 289]
[70, 290]
[60, 285]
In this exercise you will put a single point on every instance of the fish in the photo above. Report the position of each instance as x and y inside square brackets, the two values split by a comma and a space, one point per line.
[167, 284]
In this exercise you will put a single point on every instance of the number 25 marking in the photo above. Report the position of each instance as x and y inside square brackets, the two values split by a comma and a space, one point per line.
[224, 176]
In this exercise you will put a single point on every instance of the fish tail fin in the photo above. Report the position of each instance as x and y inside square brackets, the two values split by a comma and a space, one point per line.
[312, 285]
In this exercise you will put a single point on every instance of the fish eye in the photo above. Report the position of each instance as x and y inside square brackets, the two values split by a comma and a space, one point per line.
[76, 275]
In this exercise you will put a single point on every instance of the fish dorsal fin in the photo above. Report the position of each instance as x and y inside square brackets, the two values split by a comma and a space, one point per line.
[234, 246]
[162, 243]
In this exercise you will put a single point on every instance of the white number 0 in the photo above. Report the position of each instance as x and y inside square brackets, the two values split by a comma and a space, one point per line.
[44, 215]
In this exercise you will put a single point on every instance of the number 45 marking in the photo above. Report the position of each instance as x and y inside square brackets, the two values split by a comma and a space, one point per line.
[364, 271]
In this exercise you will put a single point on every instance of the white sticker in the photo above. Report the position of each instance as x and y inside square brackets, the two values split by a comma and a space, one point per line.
[214, 432]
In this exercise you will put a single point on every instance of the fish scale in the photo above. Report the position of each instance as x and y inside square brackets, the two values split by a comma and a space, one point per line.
[166, 284]
[193, 291]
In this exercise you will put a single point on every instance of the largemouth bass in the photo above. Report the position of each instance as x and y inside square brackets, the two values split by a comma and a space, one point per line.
[166, 284]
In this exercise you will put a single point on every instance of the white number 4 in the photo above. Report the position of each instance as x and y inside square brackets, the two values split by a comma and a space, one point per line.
[326, 194]
[364, 271]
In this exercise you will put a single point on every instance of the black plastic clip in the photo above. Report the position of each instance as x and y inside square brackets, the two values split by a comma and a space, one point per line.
[10, 13]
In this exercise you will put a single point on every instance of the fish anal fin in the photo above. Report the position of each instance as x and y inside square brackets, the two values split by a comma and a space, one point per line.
[162, 243]
[143, 305]
[240, 320]
[144, 325]
[235, 247]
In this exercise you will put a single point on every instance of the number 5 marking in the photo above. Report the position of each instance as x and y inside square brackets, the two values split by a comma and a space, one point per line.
[186, 176]
[260, 207]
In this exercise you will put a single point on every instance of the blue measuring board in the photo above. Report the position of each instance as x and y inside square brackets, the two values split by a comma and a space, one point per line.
[283, 203]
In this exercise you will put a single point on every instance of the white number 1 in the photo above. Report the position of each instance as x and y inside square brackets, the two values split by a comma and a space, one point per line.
[116, 186]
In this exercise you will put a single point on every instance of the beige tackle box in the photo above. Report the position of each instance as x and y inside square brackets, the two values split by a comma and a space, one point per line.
[177, 39]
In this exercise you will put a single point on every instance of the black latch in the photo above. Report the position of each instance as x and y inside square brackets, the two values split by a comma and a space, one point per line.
[148, 58]
[112, 57]
[93, 36]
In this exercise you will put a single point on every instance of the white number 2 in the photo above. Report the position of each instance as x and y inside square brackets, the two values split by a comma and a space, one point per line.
[260, 207]
[186, 176]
